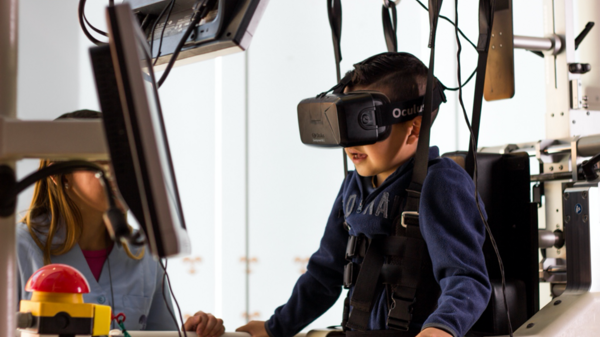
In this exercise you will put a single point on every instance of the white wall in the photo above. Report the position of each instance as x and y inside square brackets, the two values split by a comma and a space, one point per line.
[234, 138]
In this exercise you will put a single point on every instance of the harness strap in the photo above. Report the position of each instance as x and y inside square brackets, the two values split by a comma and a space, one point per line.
[363, 295]
[334, 11]
[390, 25]
[486, 16]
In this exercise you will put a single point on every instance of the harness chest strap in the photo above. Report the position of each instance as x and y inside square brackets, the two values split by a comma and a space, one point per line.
[403, 278]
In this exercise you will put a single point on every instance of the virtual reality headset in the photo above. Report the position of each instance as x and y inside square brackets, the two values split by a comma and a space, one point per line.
[358, 117]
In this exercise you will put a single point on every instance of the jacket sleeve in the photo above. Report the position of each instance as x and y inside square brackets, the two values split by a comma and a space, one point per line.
[320, 287]
[454, 231]
[159, 317]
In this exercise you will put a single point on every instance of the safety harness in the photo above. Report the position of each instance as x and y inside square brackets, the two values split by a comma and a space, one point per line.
[399, 261]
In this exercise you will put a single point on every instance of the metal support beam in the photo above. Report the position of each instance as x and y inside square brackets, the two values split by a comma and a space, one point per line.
[81, 139]
[552, 44]
[8, 109]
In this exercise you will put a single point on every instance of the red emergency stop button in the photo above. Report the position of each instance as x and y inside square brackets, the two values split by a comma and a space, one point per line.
[58, 278]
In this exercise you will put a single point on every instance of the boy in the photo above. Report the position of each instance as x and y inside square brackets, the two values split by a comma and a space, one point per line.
[368, 208]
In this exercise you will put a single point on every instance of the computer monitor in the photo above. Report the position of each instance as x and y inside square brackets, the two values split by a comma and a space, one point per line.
[135, 132]
[228, 28]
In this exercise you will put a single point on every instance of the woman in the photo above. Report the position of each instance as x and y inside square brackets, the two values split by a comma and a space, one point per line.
[65, 225]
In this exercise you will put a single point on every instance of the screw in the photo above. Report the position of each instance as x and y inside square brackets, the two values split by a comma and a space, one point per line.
[584, 195]
[493, 47]
[500, 33]
[551, 168]
[587, 113]
[568, 219]
[562, 113]
[557, 302]
[560, 167]
[584, 105]
[552, 115]
[492, 34]
[584, 98]
[530, 325]
[557, 212]
[585, 218]
[501, 45]
[566, 195]
[574, 122]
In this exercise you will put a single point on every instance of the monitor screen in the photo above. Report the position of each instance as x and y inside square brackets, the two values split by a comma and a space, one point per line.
[136, 133]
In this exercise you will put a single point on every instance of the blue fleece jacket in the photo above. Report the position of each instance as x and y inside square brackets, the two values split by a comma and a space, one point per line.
[450, 225]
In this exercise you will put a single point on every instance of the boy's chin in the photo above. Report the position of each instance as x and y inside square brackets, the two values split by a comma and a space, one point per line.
[363, 172]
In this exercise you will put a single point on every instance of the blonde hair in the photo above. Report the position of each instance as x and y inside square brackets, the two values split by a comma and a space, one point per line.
[51, 202]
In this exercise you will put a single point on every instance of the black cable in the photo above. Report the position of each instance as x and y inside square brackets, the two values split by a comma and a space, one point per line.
[466, 82]
[62, 168]
[112, 296]
[200, 12]
[154, 27]
[486, 224]
[83, 27]
[175, 299]
[164, 268]
[452, 23]
[464, 36]
[162, 33]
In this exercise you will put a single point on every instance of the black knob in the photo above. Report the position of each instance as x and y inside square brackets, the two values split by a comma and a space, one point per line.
[579, 68]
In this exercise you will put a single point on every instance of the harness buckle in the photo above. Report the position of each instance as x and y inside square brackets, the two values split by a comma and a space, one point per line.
[350, 273]
[410, 214]
[351, 247]
[400, 313]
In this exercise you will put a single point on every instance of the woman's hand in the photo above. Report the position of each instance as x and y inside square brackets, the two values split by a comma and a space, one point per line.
[433, 332]
[254, 328]
[205, 325]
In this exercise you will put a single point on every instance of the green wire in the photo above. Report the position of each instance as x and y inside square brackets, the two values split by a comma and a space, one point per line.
[122, 326]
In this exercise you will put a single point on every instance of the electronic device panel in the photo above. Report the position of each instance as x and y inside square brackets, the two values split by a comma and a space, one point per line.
[228, 28]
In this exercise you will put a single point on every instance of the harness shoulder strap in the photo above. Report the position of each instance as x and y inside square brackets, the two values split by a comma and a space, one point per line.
[486, 16]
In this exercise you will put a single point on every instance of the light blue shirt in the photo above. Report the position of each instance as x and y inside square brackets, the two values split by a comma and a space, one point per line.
[136, 284]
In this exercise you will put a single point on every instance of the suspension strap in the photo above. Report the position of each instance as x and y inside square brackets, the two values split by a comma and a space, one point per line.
[486, 16]
[390, 25]
[411, 210]
[334, 11]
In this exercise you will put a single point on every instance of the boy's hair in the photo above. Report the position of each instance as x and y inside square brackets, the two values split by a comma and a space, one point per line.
[402, 73]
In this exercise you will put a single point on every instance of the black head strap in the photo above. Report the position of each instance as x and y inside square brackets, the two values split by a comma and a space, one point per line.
[398, 112]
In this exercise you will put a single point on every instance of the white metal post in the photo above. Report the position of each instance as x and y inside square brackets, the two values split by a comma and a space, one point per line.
[8, 109]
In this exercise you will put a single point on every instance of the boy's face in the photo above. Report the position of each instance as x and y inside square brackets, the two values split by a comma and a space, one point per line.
[384, 157]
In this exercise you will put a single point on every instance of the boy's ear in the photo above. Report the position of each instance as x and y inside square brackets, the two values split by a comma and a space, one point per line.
[413, 130]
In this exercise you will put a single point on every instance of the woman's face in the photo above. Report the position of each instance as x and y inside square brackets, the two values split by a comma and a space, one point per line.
[86, 190]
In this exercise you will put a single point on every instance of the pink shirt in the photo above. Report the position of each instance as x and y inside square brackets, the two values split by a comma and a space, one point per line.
[96, 259]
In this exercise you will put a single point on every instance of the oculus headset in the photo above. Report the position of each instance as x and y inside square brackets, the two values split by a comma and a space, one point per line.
[358, 117]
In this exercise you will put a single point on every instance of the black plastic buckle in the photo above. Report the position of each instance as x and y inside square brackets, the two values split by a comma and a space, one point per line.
[400, 314]
[350, 271]
[351, 247]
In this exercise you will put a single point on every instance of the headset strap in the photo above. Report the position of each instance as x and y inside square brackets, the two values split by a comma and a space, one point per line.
[486, 16]
[398, 112]
[390, 25]
[422, 154]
